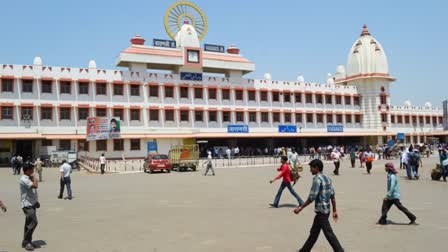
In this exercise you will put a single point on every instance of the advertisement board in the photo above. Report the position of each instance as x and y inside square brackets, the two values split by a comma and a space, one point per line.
[99, 128]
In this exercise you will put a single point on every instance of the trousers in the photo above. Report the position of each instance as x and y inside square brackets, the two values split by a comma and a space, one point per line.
[102, 166]
[368, 166]
[336, 167]
[30, 224]
[66, 181]
[387, 204]
[291, 190]
[321, 223]
[209, 167]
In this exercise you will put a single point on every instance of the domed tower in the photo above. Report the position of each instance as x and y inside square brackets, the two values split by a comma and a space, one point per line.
[368, 70]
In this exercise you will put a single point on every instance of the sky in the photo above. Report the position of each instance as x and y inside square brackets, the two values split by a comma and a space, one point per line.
[285, 38]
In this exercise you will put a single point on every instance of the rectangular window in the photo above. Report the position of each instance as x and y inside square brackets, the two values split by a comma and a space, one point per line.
[83, 113]
[298, 118]
[101, 145]
[225, 94]
[212, 93]
[406, 120]
[135, 90]
[184, 116]
[329, 118]
[383, 99]
[7, 85]
[7, 112]
[309, 98]
[64, 145]
[154, 115]
[47, 142]
[434, 121]
[287, 117]
[239, 116]
[428, 120]
[118, 89]
[392, 118]
[199, 115]
[83, 145]
[286, 97]
[319, 118]
[298, 97]
[400, 119]
[135, 114]
[65, 87]
[118, 145]
[27, 112]
[264, 95]
[65, 113]
[27, 86]
[348, 100]
[265, 117]
[212, 116]
[275, 96]
[421, 120]
[251, 95]
[169, 92]
[198, 93]
[348, 118]
[309, 118]
[101, 89]
[328, 99]
[339, 118]
[252, 116]
[101, 112]
[440, 119]
[47, 86]
[356, 100]
[414, 120]
[384, 118]
[46, 113]
[319, 99]
[135, 144]
[239, 95]
[338, 99]
[169, 115]
[184, 92]
[276, 117]
[118, 112]
[357, 118]
[84, 88]
[226, 116]
[153, 91]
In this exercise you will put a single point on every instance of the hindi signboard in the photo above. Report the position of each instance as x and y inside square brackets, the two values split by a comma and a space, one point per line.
[335, 128]
[214, 48]
[287, 128]
[164, 43]
[238, 128]
[99, 128]
[191, 76]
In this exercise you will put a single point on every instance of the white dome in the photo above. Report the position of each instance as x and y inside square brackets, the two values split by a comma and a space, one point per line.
[407, 103]
[187, 36]
[340, 69]
[37, 61]
[367, 56]
[267, 76]
[300, 79]
[92, 64]
[428, 105]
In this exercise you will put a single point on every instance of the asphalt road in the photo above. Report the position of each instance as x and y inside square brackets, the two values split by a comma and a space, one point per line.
[227, 212]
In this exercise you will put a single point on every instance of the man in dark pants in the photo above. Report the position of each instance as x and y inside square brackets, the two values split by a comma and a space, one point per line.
[393, 196]
[65, 180]
[285, 173]
[29, 203]
[322, 192]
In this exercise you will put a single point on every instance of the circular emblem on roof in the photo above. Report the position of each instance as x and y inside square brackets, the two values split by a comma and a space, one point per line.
[182, 12]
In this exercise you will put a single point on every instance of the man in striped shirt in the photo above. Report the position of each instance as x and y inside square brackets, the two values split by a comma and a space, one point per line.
[322, 192]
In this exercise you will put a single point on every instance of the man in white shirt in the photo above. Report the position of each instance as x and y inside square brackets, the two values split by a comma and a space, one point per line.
[209, 165]
[65, 170]
[29, 203]
[336, 156]
[102, 163]
[228, 153]
[237, 151]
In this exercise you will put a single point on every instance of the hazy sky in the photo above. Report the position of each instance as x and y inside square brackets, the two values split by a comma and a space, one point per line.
[284, 38]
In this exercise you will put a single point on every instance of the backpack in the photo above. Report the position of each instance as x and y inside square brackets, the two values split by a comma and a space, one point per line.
[413, 159]
[294, 174]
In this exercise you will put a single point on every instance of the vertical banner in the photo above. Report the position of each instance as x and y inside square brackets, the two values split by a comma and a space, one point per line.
[99, 128]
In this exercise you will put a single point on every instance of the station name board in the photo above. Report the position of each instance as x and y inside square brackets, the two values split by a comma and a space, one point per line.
[335, 128]
[164, 43]
[287, 128]
[238, 128]
[214, 48]
[191, 76]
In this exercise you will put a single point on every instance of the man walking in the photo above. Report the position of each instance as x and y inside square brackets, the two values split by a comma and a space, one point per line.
[336, 156]
[102, 163]
[65, 170]
[322, 192]
[393, 196]
[209, 164]
[14, 164]
[38, 166]
[294, 159]
[29, 203]
[285, 173]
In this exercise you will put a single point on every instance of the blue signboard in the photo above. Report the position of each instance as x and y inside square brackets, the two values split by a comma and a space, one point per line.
[214, 48]
[335, 128]
[152, 146]
[164, 43]
[287, 128]
[191, 76]
[242, 128]
[400, 136]
[390, 143]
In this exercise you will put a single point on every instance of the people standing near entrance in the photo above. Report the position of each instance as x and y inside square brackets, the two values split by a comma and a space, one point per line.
[209, 164]
[285, 173]
[322, 192]
[38, 167]
[65, 180]
[369, 157]
[237, 151]
[228, 153]
[29, 203]
[393, 196]
[102, 163]
[336, 158]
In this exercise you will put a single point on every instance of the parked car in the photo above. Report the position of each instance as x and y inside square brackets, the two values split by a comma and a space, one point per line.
[157, 162]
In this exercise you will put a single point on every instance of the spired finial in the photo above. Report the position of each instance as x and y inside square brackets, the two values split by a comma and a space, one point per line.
[365, 31]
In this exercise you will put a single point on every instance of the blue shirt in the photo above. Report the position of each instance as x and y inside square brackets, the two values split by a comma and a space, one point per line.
[321, 192]
[393, 189]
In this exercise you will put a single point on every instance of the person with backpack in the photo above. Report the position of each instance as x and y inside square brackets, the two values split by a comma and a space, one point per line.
[415, 161]
[369, 157]
[285, 173]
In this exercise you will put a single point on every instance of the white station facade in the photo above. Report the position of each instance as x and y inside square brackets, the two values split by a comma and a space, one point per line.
[179, 93]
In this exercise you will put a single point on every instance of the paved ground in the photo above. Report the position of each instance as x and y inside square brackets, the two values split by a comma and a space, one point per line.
[228, 212]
